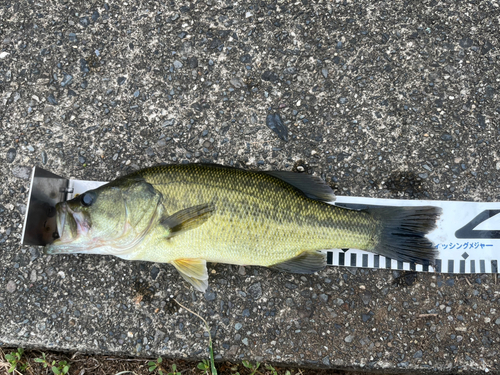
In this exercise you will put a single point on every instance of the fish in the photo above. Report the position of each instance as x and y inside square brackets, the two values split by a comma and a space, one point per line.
[191, 214]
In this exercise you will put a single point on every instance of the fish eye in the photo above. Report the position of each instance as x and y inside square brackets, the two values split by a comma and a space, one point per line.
[87, 199]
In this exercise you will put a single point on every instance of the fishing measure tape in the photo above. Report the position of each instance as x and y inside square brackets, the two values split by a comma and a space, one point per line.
[467, 237]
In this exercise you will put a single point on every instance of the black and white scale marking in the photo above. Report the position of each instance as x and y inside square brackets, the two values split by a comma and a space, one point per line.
[358, 258]
[467, 238]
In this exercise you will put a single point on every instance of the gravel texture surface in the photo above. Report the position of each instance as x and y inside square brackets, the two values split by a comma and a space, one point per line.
[383, 99]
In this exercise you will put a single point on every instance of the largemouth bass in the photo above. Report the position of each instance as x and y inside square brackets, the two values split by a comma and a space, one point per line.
[190, 214]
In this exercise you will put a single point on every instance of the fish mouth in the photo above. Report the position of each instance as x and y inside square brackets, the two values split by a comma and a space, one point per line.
[70, 224]
[71, 228]
[66, 224]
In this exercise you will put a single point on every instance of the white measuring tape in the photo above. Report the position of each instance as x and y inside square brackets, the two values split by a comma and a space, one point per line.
[467, 237]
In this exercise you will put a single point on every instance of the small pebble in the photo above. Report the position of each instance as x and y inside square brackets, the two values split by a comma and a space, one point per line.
[84, 21]
[237, 82]
[11, 286]
[275, 123]
[210, 296]
[255, 290]
[193, 62]
[52, 100]
[154, 272]
[84, 67]
[11, 155]
[246, 59]
[269, 76]
[366, 317]
[21, 172]
[446, 137]
[366, 298]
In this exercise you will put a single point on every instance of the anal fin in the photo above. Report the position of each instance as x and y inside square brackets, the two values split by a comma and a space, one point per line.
[306, 262]
[193, 271]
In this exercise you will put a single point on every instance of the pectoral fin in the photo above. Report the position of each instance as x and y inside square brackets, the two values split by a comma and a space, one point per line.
[186, 219]
[193, 271]
[306, 262]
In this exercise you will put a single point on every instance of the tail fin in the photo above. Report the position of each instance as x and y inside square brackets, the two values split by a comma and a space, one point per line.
[402, 231]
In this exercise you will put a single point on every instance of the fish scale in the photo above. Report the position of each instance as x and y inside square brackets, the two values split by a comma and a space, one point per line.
[249, 206]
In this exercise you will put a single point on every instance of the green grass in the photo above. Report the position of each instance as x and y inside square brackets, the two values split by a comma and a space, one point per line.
[210, 364]
[33, 362]
[59, 368]
[15, 361]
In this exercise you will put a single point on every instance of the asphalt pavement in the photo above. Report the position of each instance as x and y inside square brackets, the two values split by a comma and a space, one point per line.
[389, 99]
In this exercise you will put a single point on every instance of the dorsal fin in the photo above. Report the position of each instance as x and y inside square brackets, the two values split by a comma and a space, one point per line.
[312, 187]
